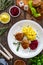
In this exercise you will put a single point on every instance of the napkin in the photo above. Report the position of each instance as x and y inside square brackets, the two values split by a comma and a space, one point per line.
[3, 62]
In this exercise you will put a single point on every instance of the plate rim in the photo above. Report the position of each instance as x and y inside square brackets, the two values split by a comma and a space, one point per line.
[16, 24]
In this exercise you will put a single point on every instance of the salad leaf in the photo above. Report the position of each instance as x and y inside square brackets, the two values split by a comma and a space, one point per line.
[38, 60]
[33, 10]
[2, 30]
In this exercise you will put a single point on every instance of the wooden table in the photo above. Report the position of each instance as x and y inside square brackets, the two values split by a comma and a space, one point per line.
[3, 38]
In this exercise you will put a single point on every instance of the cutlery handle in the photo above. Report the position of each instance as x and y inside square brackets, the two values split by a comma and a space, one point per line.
[8, 53]
[6, 56]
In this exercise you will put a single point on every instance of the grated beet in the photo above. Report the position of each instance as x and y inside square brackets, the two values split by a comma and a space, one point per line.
[14, 11]
[34, 44]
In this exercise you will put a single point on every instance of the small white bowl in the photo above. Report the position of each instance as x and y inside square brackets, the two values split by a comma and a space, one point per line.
[16, 7]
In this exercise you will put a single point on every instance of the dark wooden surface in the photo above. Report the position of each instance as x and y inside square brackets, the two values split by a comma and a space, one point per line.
[3, 38]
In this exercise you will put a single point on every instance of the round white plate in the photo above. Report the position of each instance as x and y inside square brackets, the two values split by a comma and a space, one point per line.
[17, 28]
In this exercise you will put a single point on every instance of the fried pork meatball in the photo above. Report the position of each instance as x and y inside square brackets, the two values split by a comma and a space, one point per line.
[42, 4]
[40, 10]
[19, 36]
[25, 43]
[36, 3]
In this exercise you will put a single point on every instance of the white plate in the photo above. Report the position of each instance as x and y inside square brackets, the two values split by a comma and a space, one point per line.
[17, 28]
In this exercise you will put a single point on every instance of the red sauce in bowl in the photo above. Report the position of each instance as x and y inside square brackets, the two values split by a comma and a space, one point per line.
[14, 11]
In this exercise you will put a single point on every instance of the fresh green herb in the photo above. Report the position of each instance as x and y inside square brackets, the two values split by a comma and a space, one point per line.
[15, 43]
[2, 30]
[33, 10]
[5, 3]
[8, 3]
[37, 37]
[18, 46]
[38, 60]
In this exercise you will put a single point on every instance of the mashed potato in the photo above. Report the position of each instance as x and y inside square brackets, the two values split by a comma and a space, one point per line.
[29, 32]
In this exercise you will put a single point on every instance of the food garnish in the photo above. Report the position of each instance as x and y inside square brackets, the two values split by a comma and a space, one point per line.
[38, 60]
[5, 3]
[2, 30]
[18, 43]
[33, 10]
[15, 43]
[18, 46]
[19, 36]
[29, 32]
[19, 62]
[33, 44]
[25, 43]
